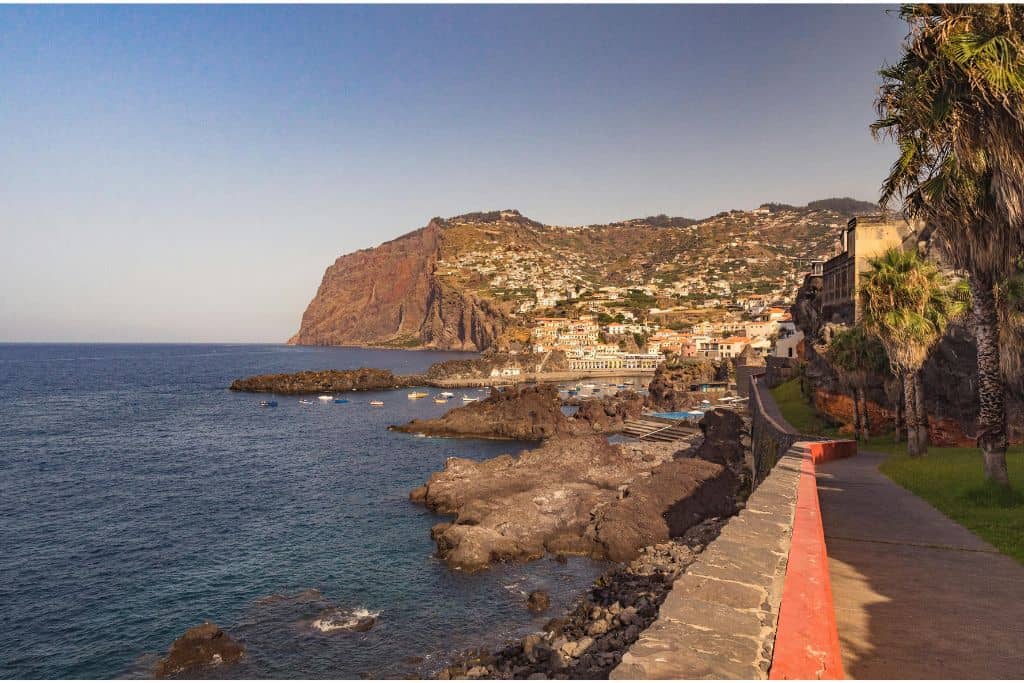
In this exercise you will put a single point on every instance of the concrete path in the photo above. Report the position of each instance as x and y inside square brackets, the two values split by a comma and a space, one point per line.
[916, 595]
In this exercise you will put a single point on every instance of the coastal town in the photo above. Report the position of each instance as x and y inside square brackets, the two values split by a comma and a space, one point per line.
[712, 289]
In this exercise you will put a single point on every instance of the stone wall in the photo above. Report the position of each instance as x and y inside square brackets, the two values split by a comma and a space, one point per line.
[720, 618]
[757, 603]
[778, 370]
[770, 435]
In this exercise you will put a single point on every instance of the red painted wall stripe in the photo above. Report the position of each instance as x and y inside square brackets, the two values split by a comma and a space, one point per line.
[806, 641]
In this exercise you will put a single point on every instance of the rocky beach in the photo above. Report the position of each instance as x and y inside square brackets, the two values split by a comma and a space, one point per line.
[588, 641]
[648, 507]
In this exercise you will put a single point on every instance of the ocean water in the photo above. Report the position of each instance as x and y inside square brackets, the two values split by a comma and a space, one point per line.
[139, 497]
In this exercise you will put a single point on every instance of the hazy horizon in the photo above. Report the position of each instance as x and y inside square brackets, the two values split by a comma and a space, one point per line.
[186, 173]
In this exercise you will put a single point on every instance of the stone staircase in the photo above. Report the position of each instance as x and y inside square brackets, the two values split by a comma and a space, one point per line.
[646, 429]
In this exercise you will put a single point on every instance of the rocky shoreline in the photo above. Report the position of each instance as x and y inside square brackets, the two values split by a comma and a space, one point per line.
[589, 641]
[326, 381]
[530, 413]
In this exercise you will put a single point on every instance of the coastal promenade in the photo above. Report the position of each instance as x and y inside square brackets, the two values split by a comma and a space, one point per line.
[916, 595]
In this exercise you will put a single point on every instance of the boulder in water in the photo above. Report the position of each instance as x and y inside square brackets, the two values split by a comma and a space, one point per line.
[199, 647]
[538, 601]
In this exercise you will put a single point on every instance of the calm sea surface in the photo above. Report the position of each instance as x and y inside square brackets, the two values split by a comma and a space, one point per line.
[139, 497]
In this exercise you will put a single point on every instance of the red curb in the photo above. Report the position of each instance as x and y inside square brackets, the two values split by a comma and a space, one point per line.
[825, 451]
[806, 641]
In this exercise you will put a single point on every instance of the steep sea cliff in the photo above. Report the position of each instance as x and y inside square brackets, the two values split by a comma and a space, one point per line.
[391, 296]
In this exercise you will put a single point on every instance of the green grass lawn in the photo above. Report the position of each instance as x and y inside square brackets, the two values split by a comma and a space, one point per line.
[798, 412]
[951, 479]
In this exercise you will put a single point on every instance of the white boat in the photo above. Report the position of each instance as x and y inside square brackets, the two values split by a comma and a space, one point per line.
[469, 399]
[305, 402]
[446, 394]
[376, 403]
[325, 398]
[418, 394]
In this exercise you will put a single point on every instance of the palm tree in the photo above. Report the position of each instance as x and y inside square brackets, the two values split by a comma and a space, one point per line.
[907, 304]
[954, 105]
[860, 361]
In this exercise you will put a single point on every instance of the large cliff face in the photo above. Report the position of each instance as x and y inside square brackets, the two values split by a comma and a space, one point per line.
[471, 282]
[390, 296]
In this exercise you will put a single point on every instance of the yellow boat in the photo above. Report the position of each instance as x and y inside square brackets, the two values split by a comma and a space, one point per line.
[418, 394]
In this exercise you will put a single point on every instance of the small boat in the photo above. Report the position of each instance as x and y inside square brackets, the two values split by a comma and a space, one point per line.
[446, 394]
[326, 398]
[305, 402]
[469, 399]
[376, 403]
[341, 400]
[418, 394]
[629, 381]
[268, 404]
[440, 400]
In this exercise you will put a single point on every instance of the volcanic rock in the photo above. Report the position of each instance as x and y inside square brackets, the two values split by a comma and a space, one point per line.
[529, 413]
[723, 432]
[669, 389]
[573, 495]
[607, 415]
[538, 601]
[199, 647]
[326, 381]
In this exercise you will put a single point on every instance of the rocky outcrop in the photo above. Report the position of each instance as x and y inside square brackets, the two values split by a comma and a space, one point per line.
[589, 641]
[530, 413]
[326, 381]
[669, 389]
[573, 495]
[607, 415]
[538, 601]
[196, 650]
[390, 296]
[725, 438]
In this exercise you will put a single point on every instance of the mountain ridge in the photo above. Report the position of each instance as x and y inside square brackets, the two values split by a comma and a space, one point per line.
[461, 283]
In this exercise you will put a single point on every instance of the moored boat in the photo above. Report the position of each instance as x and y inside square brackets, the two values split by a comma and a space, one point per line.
[268, 404]
[325, 398]
[446, 394]
[418, 394]
[376, 403]
[469, 399]
[341, 400]
[439, 399]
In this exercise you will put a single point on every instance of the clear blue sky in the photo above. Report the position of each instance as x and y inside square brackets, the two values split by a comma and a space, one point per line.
[186, 173]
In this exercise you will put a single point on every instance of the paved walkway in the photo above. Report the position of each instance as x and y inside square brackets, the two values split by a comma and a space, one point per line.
[916, 595]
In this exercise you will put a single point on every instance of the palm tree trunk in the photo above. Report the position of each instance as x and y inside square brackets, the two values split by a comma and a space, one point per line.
[856, 414]
[900, 400]
[923, 438]
[865, 427]
[913, 436]
[991, 391]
